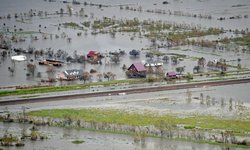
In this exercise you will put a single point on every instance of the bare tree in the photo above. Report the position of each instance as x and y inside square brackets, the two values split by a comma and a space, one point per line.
[149, 55]
[115, 58]
[174, 60]
[150, 69]
[36, 53]
[51, 72]
[11, 70]
[113, 76]
[31, 68]
[81, 12]
[100, 76]
[165, 58]
[86, 76]
[124, 67]
[201, 62]
[109, 76]
[3, 54]
[180, 69]
[159, 70]
[61, 11]
[69, 10]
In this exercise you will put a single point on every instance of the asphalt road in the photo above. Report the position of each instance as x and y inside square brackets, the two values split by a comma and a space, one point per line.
[122, 91]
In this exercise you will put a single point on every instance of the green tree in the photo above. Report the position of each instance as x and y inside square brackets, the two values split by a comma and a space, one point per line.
[180, 69]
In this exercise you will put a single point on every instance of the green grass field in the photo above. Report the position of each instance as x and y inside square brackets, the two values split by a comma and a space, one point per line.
[145, 119]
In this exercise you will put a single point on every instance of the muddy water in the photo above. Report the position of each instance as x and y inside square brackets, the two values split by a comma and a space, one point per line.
[105, 43]
[61, 139]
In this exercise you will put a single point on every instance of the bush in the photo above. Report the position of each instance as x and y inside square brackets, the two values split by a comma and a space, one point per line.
[78, 141]
[151, 79]
[189, 127]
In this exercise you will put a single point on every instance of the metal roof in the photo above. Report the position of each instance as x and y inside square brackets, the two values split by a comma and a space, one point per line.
[138, 66]
[73, 72]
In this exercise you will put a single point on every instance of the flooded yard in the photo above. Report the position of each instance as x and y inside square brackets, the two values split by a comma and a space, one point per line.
[176, 34]
[41, 28]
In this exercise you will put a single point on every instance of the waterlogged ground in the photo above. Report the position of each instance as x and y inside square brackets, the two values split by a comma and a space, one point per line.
[230, 101]
[222, 101]
[61, 139]
[48, 25]
[216, 102]
[180, 102]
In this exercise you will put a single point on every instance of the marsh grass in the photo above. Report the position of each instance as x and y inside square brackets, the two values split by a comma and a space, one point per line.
[177, 139]
[146, 119]
[245, 40]
[71, 25]
[78, 141]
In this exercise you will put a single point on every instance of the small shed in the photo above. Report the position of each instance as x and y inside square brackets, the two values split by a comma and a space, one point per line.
[136, 70]
[171, 75]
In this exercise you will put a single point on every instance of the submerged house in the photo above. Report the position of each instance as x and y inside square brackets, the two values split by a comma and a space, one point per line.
[51, 62]
[136, 70]
[94, 57]
[73, 74]
[93, 54]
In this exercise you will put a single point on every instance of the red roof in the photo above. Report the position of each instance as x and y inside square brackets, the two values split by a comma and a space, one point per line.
[138, 66]
[92, 53]
[171, 73]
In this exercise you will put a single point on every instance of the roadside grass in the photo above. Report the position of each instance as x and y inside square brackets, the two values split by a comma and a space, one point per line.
[146, 119]
[29, 96]
[67, 87]
[36, 90]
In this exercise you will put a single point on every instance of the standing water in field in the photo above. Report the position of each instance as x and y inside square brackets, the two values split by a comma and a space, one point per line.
[61, 138]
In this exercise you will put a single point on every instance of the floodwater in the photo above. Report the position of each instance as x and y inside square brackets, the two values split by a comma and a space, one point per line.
[61, 139]
[105, 43]
[181, 102]
[220, 8]
[166, 101]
